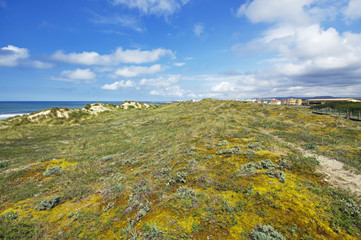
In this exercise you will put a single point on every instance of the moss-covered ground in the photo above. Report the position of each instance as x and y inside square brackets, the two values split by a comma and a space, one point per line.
[189, 170]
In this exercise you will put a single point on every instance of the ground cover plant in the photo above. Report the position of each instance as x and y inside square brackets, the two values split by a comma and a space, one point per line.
[190, 170]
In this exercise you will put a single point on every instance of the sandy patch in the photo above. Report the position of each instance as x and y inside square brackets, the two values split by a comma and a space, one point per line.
[127, 105]
[335, 173]
[36, 116]
[96, 108]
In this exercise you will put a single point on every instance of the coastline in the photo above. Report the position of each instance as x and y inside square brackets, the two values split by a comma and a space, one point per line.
[6, 116]
[10, 109]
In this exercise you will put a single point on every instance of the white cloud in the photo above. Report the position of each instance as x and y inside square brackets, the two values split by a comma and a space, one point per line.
[40, 64]
[134, 71]
[78, 74]
[119, 56]
[157, 7]
[276, 11]
[179, 64]
[311, 50]
[11, 56]
[353, 9]
[198, 29]
[126, 21]
[164, 86]
[84, 58]
[171, 91]
[239, 84]
[163, 81]
[308, 55]
[120, 84]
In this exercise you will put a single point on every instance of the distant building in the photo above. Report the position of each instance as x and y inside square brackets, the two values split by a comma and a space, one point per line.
[275, 102]
[322, 101]
[292, 101]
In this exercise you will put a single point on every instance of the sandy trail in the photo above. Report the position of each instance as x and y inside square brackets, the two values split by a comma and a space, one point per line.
[335, 173]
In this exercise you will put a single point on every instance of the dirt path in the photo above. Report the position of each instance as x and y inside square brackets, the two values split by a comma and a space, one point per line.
[19, 168]
[335, 173]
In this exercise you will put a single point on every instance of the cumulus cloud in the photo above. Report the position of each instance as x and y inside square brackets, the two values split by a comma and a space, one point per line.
[308, 55]
[11, 56]
[164, 86]
[77, 75]
[40, 64]
[353, 9]
[119, 84]
[171, 91]
[134, 71]
[198, 29]
[136, 56]
[163, 81]
[275, 11]
[157, 7]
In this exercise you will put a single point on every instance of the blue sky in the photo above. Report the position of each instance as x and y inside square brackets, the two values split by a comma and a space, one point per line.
[178, 49]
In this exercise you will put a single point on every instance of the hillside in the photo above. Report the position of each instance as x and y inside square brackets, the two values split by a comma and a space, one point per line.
[190, 170]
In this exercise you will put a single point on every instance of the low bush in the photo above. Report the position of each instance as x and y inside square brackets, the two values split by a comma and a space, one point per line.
[51, 171]
[249, 153]
[185, 192]
[3, 164]
[281, 176]
[223, 143]
[266, 232]
[48, 203]
[236, 150]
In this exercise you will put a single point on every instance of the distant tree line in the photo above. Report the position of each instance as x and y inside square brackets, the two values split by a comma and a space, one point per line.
[340, 106]
[350, 110]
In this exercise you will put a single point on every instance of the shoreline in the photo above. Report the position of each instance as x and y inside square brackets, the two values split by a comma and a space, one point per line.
[10, 115]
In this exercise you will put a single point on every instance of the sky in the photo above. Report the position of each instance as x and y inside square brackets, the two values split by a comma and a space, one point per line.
[160, 50]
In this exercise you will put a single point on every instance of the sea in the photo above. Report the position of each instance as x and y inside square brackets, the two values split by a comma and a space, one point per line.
[13, 108]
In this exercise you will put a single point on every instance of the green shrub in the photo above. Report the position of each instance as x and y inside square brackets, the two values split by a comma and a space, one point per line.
[180, 177]
[160, 173]
[3, 164]
[11, 215]
[48, 203]
[226, 207]
[152, 232]
[249, 153]
[281, 176]
[223, 143]
[236, 150]
[51, 171]
[54, 110]
[311, 145]
[193, 148]
[248, 168]
[256, 146]
[110, 206]
[118, 188]
[185, 192]
[266, 232]
[267, 164]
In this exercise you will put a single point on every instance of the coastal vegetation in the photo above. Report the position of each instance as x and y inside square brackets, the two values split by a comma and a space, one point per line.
[190, 170]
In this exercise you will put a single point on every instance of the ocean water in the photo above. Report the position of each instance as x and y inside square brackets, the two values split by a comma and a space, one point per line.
[11, 109]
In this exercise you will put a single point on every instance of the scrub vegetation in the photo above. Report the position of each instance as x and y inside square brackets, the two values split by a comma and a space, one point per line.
[188, 170]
